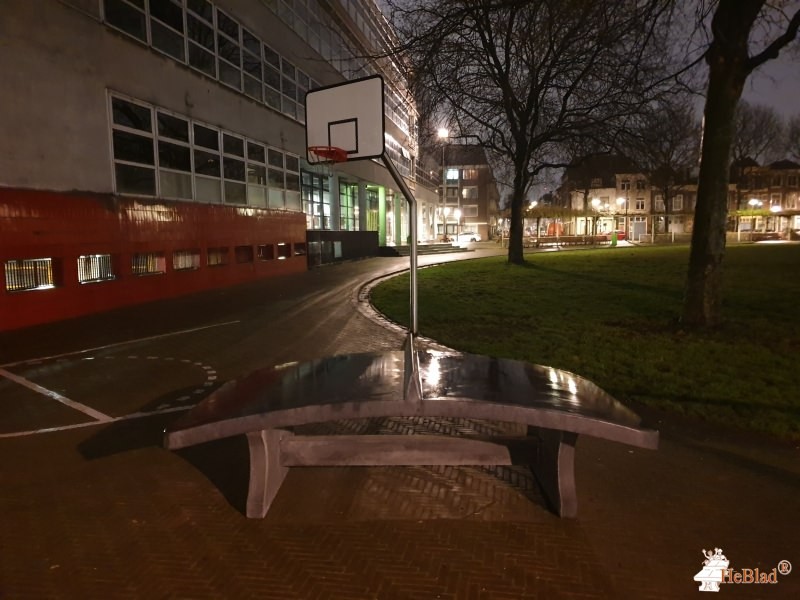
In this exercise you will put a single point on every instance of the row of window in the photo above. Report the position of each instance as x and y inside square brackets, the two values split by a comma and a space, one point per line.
[789, 201]
[45, 273]
[328, 39]
[454, 174]
[197, 33]
[640, 204]
[158, 153]
[761, 181]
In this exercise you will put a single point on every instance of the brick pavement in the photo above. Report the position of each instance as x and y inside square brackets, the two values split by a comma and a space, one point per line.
[105, 512]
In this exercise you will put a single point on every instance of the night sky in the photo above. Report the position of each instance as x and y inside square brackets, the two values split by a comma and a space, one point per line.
[776, 84]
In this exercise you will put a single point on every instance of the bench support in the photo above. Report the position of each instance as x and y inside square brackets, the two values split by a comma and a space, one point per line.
[549, 453]
[266, 471]
[554, 468]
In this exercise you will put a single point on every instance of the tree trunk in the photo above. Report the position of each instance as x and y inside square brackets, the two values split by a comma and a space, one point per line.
[515, 256]
[727, 73]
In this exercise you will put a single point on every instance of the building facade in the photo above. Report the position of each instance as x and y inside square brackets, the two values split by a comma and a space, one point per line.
[768, 200]
[468, 202]
[153, 149]
[607, 193]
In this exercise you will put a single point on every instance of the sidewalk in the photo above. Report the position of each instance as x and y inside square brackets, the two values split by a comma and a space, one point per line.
[103, 511]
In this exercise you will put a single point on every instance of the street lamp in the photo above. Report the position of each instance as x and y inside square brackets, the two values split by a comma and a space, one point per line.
[596, 207]
[754, 203]
[445, 211]
[443, 134]
[620, 202]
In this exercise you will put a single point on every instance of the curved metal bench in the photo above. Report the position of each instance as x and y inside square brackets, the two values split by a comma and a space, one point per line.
[556, 405]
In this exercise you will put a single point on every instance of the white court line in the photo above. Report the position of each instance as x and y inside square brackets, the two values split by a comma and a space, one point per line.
[56, 396]
[137, 415]
[144, 339]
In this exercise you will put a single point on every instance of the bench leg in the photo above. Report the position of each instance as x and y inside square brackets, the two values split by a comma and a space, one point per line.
[554, 468]
[266, 472]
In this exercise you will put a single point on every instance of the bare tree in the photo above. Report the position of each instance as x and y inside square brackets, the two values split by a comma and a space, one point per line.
[793, 137]
[526, 77]
[731, 57]
[664, 142]
[758, 133]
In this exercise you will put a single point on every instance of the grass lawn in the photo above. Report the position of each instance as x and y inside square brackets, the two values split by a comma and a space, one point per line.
[611, 315]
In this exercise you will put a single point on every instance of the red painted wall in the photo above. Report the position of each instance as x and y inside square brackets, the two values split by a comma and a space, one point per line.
[63, 226]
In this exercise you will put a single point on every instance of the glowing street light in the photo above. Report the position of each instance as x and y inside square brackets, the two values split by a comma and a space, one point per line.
[620, 202]
[443, 134]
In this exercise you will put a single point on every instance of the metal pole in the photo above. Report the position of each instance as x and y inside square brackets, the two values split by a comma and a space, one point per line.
[412, 221]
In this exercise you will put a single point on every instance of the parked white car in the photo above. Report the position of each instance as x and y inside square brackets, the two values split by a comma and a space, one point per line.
[466, 236]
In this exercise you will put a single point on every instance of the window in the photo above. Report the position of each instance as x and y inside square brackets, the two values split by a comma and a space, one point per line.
[174, 156]
[596, 182]
[777, 181]
[372, 209]
[469, 210]
[148, 263]
[469, 193]
[775, 199]
[166, 28]
[452, 174]
[95, 267]
[266, 252]
[217, 257]
[229, 61]
[791, 180]
[300, 249]
[284, 250]
[233, 169]
[293, 201]
[640, 204]
[227, 52]
[200, 33]
[29, 274]
[243, 254]
[469, 174]
[316, 200]
[659, 203]
[127, 16]
[251, 65]
[256, 174]
[640, 184]
[272, 78]
[132, 141]
[625, 184]
[347, 204]
[677, 202]
[207, 164]
[186, 260]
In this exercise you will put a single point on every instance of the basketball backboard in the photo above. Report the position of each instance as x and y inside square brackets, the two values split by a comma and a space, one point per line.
[347, 115]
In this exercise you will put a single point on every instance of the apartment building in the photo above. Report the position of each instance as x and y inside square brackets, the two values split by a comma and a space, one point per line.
[469, 195]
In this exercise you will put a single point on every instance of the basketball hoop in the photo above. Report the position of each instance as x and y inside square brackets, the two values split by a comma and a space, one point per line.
[326, 154]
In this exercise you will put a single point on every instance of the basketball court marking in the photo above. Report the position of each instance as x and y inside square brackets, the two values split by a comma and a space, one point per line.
[101, 418]
[87, 410]
[136, 415]
[144, 339]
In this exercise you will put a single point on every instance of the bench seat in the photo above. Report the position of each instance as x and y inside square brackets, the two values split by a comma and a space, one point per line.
[555, 405]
